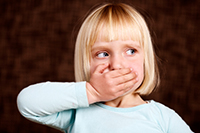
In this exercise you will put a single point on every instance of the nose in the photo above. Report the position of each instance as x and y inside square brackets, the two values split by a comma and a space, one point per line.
[117, 62]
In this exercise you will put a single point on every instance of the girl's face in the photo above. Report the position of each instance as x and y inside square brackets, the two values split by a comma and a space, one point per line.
[119, 54]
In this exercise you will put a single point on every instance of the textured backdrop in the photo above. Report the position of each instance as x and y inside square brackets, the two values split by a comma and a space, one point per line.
[37, 44]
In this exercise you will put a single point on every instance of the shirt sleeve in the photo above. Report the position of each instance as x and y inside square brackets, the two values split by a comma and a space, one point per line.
[178, 125]
[52, 103]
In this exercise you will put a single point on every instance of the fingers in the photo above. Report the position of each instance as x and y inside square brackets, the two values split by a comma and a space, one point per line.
[126, 78]
[120, 72]
[101, 68]
[127, 87]
[116, 77]
[126, 82]
[106, 85]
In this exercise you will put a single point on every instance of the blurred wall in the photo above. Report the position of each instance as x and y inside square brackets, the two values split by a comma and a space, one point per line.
[37, 44]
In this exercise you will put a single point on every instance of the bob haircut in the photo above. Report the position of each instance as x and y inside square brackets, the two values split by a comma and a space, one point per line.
[110, 22]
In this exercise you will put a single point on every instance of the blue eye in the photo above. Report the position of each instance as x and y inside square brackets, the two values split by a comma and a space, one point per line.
[130, 52]
[102, 54]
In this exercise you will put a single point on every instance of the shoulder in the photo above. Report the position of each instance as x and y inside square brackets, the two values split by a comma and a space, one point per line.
[163, 112]
[168, 118]
[161, 108]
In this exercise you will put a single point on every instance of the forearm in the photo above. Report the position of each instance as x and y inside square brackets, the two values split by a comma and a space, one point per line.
[49, 98]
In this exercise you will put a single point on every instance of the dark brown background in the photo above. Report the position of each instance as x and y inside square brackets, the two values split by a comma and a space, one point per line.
[37, 44]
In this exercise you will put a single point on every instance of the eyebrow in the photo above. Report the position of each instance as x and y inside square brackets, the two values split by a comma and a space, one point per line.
[137, 45]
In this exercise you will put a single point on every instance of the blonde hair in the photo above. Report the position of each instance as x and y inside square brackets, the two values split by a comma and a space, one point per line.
[111, 22]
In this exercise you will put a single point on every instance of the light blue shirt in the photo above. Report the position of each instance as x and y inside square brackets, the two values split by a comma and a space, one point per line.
[65, 106]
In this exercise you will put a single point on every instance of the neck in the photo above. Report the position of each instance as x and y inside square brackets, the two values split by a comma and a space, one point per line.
[127, 101]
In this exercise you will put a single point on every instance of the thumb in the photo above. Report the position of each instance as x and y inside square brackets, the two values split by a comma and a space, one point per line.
[101, 68]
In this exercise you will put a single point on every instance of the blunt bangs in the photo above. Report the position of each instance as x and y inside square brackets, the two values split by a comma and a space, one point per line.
[115, 23]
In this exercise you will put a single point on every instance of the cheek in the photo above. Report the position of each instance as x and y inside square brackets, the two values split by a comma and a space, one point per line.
[92, 68]
[139, 68]
[140, 72]
[141, 75]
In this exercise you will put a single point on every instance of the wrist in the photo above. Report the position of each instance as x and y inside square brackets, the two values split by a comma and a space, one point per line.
[91, 94]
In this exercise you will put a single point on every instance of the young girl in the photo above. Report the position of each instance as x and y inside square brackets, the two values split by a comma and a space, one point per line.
[114, 65]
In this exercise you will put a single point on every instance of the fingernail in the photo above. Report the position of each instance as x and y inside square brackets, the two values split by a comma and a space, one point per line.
[136, 73]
